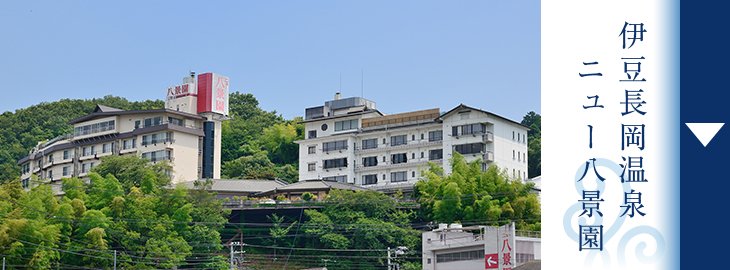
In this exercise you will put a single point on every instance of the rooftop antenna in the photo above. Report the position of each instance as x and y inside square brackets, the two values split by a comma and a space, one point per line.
[340, 88]
[362, 82]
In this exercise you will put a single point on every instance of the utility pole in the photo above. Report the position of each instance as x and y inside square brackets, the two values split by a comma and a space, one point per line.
[231, 246]
[3, 263]
[115, 259]
[235, 253]
[389, 265]
[392, 265]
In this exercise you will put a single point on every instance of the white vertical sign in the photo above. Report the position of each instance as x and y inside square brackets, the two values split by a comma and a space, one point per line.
[608, 192]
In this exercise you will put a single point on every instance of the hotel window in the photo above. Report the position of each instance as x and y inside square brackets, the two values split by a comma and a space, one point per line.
[370, 144]
[50, 158]
[88, 151]
[94, 128]
[398, 176]
[66, 170]
[513, 154]
[335, 163]
[370, 179]
[434, 136]
[413, 137]
[154, 121]
[107, 147]
[65, 154]
[421, 154]
[436, 154]
[370, 161]
[334, 146]
[513, 135]
[158, 155]
[85, 167]
[413, 174]
[50, 174]
[137, 124]
[311, 134]
[130, 143]
[26, 182]
[421, 136]
[519, 156]
[398, 140]
[346, 125]
[339, 178]
[157, 138]
[524, 157]
[311, 166]
[514, 174]
[398, 158]
[469, 129]
[175, 121]
[471, 148]
[311, 149]
[413, 155]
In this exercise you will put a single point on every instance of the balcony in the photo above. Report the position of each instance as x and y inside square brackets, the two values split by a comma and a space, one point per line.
[339, 150]
[388, 165]
[487, 136]
[387, 146]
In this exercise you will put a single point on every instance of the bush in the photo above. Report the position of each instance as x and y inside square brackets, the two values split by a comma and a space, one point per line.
[308, 196]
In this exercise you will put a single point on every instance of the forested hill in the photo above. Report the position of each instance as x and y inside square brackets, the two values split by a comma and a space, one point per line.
[256, 143]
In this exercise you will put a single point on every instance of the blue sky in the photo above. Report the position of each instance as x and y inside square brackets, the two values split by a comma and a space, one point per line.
[289, 54]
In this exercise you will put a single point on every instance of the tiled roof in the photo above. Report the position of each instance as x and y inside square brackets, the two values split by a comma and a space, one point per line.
[241, 185]
[317, 184]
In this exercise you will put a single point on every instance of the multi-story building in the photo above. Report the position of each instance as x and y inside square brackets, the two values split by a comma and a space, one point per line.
[184, 133]
[350, 141]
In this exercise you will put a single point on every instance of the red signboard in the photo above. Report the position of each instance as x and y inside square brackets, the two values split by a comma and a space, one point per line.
[491, 261]
[213, 93]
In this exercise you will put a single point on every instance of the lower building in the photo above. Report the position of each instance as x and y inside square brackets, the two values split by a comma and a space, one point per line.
[455, 247]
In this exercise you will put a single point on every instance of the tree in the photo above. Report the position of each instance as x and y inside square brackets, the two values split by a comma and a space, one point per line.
[360, 220]
[149, 224]
[481, 197]
[278, 140]
[257, 166]
[533, 120]
[278, 232]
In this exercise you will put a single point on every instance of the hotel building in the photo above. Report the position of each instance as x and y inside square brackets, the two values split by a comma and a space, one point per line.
[349, 140]
[186, 133]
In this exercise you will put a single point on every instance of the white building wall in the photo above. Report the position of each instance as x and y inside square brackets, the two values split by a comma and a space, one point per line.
[504, 145]
[500, 145]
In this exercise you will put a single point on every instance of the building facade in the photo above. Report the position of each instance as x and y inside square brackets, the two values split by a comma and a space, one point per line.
[186, 133]
[453, 247]
[349, 140]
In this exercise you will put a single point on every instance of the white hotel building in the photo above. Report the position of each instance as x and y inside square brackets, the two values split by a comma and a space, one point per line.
[349, 140]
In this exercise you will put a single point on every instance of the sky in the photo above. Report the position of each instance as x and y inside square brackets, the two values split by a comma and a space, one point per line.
[404, 55]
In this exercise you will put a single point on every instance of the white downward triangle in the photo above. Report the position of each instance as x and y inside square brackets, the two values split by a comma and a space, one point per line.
[705, 131]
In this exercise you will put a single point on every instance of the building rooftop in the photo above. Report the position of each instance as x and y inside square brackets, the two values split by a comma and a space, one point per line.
[531, 265]
[462, 108]
[316, 184]
[240, 185]
[104, 111]
[402, 118]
